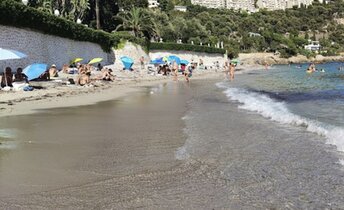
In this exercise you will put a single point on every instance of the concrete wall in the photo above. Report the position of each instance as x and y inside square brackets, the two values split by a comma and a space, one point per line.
[135, 52]
[47, 49]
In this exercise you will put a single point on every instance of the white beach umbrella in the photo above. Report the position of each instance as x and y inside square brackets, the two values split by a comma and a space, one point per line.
[6, 54]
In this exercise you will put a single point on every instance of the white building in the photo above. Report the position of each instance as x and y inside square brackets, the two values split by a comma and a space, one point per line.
[313, 46]
[153, 3]
[249, 4]
[180, 8]
[210, 3]
[241, 4]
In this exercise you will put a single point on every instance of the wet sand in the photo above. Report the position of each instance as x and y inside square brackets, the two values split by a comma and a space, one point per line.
[70, 148]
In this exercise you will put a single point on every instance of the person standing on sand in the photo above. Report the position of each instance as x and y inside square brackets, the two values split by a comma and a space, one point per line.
[142, 62]
[188, 72]
[175, 70]
[231, 71]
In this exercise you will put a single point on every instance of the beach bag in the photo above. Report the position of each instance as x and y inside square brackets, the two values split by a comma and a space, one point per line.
[28, 88]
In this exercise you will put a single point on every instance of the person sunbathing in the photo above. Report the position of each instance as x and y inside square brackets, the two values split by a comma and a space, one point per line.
[7, 78]
[53, 71]
[45, 76]
[19, 76]
[107, 75]
[83, 78]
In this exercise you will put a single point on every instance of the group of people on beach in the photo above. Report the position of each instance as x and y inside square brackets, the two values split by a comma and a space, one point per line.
[83, 71]
[174, 69]
[186, 70]
[7, 77]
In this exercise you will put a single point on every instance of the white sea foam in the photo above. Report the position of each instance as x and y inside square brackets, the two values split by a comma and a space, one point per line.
[7, 133]
[278, 111]
[7, 145]
[182, 153]
[341, 161]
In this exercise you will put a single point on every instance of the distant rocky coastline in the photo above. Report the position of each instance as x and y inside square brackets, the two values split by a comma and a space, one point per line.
[270, 58]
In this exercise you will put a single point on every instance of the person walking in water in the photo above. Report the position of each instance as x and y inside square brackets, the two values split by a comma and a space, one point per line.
[227, 69]
[231, 71]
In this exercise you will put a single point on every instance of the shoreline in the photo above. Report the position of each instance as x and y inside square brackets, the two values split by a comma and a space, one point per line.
[22, 103]
[54, 96]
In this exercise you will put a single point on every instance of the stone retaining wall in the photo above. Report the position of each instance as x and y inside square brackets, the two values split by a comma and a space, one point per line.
[135, 52]
[43, 48]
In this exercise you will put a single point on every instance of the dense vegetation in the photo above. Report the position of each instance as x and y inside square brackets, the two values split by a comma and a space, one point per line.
[284, 31]
[19, 15]
[185, 47]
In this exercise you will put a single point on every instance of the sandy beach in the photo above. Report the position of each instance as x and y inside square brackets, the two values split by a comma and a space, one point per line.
[55, 95]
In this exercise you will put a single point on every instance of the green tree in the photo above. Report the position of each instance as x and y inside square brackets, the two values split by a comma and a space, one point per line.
[137, 21]
[129, 4]
[166, 5]
[107, 10]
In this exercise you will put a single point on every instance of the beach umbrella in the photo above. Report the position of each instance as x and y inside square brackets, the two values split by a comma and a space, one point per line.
[33, 71]
[95, 60]
[185, 62]
[127, 62]
[6, 54]
[172, 58]
[76, 60]
[157, 61]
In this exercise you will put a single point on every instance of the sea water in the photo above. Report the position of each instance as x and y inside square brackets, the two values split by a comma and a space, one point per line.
[288, 95]
[275, 136]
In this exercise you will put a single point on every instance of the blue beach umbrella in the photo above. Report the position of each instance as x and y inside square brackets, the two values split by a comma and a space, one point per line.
[33, 71]
[185, 62]
[6, 54]
[127, 62]
[157, 61]
[172, 58]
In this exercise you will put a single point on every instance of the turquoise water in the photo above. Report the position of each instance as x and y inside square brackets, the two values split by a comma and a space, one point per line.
[288, 95]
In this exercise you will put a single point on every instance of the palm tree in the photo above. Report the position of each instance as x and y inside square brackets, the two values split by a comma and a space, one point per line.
[137, 21]
[97, 14]
[78, 8]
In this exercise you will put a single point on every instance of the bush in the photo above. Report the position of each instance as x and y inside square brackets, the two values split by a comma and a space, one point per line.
[18, 15]
[186, 47]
